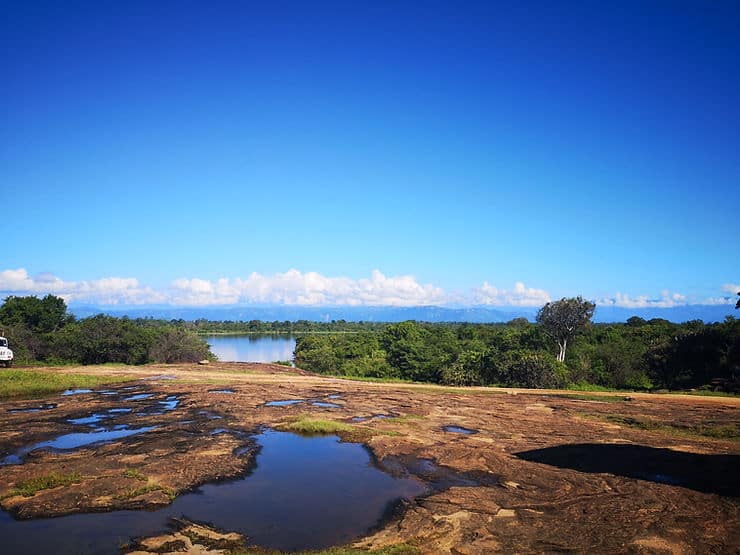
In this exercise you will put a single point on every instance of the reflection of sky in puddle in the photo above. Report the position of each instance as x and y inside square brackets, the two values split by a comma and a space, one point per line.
[285, 403]
[326, 405]
[97, 417]
[75, 441]
[458, 430]
[210, 415]
[170, 403]
[226, 391]
[138, 397]
[76, 391]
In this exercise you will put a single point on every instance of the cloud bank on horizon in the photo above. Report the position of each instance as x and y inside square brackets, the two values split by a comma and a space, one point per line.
[313, 289]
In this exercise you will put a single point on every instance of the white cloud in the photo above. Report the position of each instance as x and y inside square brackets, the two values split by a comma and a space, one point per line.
[111, 290]
[521, 296]
[310, 289]
[666, 300]
[297, 288]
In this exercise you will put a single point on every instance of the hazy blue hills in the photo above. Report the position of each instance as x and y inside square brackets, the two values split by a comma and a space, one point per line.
[479, 314]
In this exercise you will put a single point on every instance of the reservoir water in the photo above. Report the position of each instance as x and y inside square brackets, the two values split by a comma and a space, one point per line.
[252, 348]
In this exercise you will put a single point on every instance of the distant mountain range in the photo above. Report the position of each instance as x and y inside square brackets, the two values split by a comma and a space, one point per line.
[478, 314]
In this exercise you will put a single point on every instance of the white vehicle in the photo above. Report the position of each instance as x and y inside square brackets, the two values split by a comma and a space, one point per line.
[6, 355]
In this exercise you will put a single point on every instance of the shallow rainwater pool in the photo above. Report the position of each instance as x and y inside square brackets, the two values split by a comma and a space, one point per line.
[304, 493]
[69, 442]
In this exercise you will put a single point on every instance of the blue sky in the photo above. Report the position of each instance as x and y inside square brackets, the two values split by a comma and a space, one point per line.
[371, 153]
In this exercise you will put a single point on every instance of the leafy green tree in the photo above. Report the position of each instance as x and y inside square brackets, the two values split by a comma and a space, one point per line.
[563, 319]
[178, 345]
[45, 315]
[533, 370]
[468, 369]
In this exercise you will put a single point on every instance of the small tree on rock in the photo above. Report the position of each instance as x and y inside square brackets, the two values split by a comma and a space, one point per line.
[563, 319]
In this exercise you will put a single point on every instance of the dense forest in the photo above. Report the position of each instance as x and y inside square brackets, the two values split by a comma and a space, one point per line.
[42, 330]
[639, 354]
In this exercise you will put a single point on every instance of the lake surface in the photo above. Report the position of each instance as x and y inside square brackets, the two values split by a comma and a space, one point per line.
[252, 348]
[305, 493]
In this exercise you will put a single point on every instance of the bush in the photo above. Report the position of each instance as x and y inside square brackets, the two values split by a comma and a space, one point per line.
[177, 345]
[466, 370]
[532, 370]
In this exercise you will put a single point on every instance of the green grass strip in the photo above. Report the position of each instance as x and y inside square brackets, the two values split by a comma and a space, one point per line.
[28, 488]
[30, 383]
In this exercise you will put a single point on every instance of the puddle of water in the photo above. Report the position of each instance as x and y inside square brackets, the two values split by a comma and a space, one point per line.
[304, 493]
[221, 391]
[334, 396]
[68, 442]
[219, 431]
[77, 391]
[107, 392]
[96, 417]
[92, 419]
[45, 406]
[138, 397]
[660, 478]
[285, 403]
[210, 415]
[170, 403]
[326, 405]
[459, 430]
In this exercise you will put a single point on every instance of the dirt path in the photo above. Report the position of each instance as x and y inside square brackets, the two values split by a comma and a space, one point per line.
[556, 473]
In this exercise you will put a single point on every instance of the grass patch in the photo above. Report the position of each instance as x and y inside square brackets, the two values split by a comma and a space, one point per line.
[313, 426]
[707, 393]
[585, 386]
[28, 488]
[725, 431]
[307, 425]
[30, 383]
[369, 379]
[586, 397]
[135, 474]
[408, 418]
[141, 490]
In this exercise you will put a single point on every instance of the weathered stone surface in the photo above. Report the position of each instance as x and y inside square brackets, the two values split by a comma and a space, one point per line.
[536, 507]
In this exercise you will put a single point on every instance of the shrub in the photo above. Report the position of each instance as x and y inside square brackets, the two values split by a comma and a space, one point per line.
[532, 369]
[177, 345]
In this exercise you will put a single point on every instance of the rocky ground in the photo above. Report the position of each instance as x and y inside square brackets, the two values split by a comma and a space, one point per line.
[633, 473]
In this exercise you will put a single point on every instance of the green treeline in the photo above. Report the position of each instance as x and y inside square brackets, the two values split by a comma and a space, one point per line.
[41, 330]
[639, 354]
